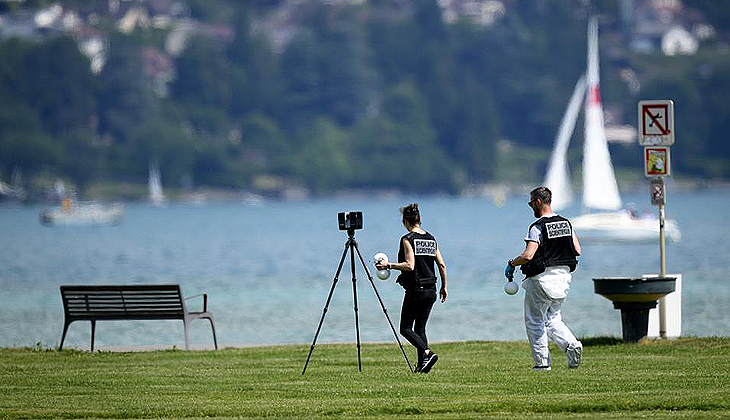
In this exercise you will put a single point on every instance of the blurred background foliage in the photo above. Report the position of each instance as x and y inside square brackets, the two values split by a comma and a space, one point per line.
[370, 95]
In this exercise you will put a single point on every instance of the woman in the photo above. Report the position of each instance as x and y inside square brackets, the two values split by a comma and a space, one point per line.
[416, 256]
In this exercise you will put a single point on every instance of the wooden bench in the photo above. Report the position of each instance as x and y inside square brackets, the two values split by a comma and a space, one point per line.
[129, 302]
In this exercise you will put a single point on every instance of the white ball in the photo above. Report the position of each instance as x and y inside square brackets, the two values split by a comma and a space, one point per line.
[511, 287]
[381, 257]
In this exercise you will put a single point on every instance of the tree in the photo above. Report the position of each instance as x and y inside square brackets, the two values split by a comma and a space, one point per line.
[256, 72]
[324, 159]
[61, 87]
[125, 102]
[81, 157]
[165, 143]
[300, 70]
[203, 75]
[22, 140]
[398, 148]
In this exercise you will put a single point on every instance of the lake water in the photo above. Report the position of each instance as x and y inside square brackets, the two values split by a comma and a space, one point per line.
[267, 270]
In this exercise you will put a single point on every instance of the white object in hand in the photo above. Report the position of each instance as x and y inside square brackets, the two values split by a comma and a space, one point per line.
[381, 258]
[511, 287]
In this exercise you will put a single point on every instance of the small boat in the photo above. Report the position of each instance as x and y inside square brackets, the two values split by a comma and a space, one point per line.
[604, 219]
[622, 226]
[79, 214]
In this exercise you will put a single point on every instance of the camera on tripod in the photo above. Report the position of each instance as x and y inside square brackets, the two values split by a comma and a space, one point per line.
[350, 220]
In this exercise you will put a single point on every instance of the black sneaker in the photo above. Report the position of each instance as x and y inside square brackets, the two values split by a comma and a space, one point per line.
[418, 365]
[428, 362]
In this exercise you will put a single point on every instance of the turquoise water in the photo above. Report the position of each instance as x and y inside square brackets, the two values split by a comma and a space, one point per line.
[267, 270]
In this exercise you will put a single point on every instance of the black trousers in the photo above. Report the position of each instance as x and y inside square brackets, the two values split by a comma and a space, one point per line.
[417, 304]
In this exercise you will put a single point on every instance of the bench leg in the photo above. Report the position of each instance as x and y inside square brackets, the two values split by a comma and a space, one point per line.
[212, 326]
[93, 331]
[187, 338]
[63, 335]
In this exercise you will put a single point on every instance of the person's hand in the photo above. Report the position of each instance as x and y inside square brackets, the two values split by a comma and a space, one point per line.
[444, 294]
[382, 266]
[509, 271]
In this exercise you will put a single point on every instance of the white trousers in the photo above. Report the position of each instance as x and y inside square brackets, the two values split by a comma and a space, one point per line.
[544, 296]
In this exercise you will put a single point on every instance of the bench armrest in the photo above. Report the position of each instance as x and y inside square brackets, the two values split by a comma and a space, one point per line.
[205, 300]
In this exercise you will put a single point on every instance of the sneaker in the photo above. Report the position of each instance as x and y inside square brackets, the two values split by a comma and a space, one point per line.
[574, 354]
[541, 368]
[428, 362]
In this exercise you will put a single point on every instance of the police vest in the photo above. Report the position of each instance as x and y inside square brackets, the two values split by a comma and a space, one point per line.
[424, 251]
[556, 246]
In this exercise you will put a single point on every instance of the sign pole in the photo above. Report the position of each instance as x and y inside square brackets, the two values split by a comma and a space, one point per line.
[656, 133]
[662, 244]
[662, 272]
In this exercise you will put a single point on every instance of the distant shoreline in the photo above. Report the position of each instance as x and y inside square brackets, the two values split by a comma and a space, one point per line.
[132, 193]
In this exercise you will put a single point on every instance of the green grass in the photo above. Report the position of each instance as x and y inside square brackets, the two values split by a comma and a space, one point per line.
[685, 378]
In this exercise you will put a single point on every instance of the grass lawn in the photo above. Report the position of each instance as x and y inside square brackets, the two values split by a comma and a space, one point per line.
[684, 378]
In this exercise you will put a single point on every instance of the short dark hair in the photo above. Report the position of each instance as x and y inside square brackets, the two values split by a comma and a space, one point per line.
[411, 214]
[543, 193]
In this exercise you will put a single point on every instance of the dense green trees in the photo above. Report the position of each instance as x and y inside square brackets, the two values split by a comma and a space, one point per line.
[378, 95]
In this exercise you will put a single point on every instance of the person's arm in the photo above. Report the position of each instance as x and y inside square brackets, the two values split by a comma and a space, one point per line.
[442, 272]
[526, 255]
[576, 244]
[406, 265]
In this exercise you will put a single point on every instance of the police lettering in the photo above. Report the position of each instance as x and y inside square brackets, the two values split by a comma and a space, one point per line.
[424, 247]
[558, 229]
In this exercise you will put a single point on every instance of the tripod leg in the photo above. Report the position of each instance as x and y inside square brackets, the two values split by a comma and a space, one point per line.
[352, 245]
[324, 312]
[382, 305]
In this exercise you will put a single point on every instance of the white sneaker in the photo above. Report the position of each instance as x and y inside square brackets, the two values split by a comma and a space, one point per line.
[574, 354]
[541, 368]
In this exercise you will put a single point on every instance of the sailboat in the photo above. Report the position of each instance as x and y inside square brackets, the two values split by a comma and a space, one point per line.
[604, 220]
[154, 183]
[14, 191]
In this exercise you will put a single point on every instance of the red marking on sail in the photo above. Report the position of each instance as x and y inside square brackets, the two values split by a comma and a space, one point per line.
[594, 95]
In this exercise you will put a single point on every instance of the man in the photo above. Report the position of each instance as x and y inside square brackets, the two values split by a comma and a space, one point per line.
[551, 248]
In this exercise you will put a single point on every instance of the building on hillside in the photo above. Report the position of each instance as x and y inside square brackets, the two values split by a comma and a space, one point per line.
[481, 12]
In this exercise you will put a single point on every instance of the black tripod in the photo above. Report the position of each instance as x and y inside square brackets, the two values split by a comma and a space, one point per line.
[351, 245]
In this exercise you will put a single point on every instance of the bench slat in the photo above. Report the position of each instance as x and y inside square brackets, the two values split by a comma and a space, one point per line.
[125, 308]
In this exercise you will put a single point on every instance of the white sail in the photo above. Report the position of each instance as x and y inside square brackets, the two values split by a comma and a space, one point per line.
[557, 178]
[600, 190]
[156, 195]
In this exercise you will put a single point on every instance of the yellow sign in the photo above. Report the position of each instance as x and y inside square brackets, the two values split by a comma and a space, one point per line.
[656, 161]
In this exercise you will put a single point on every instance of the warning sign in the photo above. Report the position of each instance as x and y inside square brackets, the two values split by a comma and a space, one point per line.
[656, 122]
[656, 161]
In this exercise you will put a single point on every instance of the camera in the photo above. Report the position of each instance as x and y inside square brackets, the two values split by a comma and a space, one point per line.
[350, 220]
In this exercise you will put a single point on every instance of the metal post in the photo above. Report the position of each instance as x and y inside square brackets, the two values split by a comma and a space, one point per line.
[662, 272]
[662, 246]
